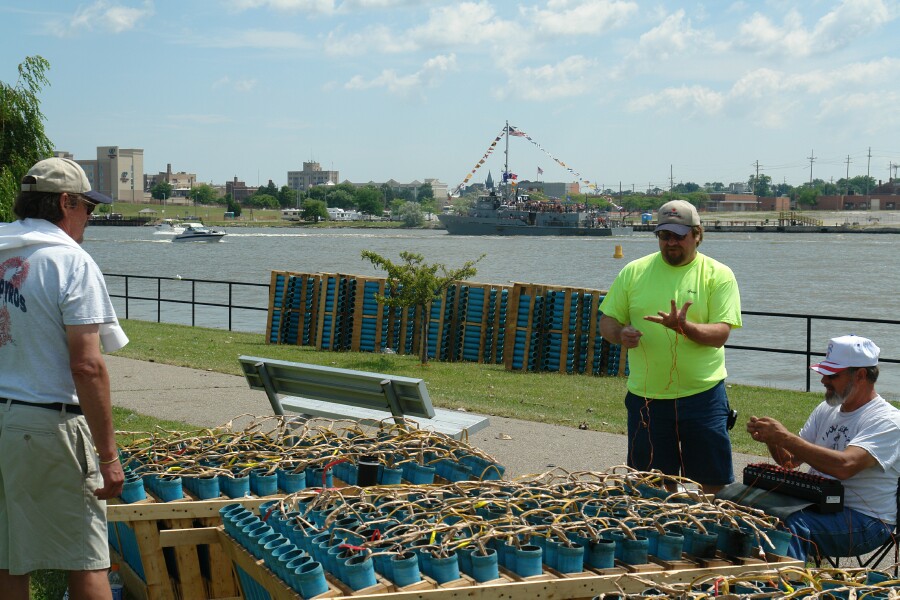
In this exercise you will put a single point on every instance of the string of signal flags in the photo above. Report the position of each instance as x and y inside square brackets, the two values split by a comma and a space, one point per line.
[512, 177]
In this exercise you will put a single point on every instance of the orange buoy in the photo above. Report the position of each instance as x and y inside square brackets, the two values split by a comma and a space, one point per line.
[618, 252]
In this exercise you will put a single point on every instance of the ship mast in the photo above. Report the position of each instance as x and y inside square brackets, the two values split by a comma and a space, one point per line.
[506, 168]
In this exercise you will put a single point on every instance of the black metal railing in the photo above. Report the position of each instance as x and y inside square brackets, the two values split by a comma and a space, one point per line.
[195, 284]
[808, 351]
[261, 305]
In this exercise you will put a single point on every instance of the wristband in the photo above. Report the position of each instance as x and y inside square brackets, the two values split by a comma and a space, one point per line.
[110, 461]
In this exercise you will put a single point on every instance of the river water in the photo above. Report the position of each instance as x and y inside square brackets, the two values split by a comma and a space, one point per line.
[842, 275]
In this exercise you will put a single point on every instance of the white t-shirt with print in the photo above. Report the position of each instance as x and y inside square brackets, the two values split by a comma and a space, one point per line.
[47, 281]
[874, 427]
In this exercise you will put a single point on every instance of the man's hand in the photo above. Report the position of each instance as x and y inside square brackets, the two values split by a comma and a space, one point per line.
[674, 320]
[630, 337]
[113, 479]
[767, 430]
[774, 435]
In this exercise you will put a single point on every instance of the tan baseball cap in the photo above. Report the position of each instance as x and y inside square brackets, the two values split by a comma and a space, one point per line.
[677, 216]
[58, 175]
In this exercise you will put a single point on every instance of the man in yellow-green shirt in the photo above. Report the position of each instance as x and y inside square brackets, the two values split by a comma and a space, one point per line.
[674, 311]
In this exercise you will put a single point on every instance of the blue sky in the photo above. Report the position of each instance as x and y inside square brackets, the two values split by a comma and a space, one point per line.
[618, 90]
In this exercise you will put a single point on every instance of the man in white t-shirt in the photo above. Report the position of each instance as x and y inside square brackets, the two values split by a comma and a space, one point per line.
[851, 436]
[58, 457]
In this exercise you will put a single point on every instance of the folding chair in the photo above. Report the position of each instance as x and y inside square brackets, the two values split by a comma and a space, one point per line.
[873, 558]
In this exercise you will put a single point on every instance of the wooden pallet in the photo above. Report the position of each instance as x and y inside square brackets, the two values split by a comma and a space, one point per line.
[548, 585]
[177, 549]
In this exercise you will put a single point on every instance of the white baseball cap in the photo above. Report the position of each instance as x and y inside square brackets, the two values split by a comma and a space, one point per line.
[848, 351]
[58, 175]
[677, 216]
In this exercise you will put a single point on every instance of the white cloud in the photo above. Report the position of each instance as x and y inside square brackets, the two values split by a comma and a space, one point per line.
[850, 21]
[102, 15]
[374, 39]
[463, 27]
[580, 17]
[237, 85]
[772, 98]
[871, 112]
[323, 7]
[566, 78]
[689, 99]
[463, 24]
[674, 36]
[406, 85]
[378, 4]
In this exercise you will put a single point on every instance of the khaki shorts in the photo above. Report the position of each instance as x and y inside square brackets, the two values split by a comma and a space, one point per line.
[49, 517]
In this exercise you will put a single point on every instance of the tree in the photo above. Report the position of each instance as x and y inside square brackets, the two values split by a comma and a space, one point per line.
[161, 190]
[203, 194]
[388, 193]
[395, 207]
[233, 207]
[808, 196]
[369, 200]
[424, 192]
[416, 284]
[411, 214]
[825, 188]
[288, 198]
[262, 201]
[429, 205]
[23, 141]
[686, 188]
[760, 185]
[341, 199]
[782, 189]
[858, 185]
[313, 210]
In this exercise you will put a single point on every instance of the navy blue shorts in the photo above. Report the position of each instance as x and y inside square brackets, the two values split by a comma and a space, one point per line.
[687, 436]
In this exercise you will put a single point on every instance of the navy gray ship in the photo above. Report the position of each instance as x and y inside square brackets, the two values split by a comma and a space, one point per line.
[488, 215]
[509, 213]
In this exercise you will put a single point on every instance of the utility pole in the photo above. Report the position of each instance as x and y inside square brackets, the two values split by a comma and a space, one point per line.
[671, 179]
[811, 158]
[868, 164]
[847, 180]
[756, 181]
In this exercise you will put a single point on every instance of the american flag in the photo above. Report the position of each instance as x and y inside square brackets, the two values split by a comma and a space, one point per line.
[513, 131]
[540, 171]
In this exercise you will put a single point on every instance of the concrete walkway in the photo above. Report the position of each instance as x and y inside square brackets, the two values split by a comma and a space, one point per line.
[208, 399]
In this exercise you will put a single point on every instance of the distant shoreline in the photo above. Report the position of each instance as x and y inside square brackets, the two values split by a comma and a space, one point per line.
[707, 228]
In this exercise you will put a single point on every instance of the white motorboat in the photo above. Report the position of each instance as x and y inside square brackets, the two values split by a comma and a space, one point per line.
[198, 232]
[169, 227]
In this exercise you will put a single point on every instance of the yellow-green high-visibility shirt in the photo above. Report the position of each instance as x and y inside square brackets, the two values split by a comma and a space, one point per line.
[665, 364]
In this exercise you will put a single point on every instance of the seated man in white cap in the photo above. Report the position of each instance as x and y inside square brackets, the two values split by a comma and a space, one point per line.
[851, 436]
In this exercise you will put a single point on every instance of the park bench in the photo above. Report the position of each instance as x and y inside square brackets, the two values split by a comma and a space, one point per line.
[368, 398]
